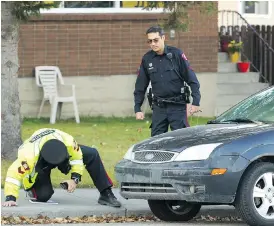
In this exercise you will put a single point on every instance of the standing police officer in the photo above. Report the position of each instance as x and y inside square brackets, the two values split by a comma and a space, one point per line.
[168, 69]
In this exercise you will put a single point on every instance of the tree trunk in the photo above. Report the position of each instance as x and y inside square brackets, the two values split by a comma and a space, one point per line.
[10, 107]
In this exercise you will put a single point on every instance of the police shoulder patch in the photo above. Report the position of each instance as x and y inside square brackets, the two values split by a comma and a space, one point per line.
[75, 146]
[25, 165]
[20, 170]
[184, 56]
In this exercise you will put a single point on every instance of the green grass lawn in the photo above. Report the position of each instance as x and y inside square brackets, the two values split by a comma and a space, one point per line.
[111, 136]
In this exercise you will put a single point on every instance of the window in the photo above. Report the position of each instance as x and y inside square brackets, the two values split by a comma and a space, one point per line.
[102, 7]
[133, 4]
[137, 4]
[255, 7]
[87, 4]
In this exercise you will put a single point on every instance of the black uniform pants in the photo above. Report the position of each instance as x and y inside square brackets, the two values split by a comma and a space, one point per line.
[173, 115]
[42, 189]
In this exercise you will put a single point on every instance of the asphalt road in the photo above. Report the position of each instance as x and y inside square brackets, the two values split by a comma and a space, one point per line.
[84, 202]
[150, 224]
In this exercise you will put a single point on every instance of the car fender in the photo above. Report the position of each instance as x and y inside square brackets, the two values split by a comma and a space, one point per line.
[243, 162]
[258, 152]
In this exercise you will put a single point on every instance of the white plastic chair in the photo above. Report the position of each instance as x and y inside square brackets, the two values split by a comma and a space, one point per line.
[46, 77]
[146, 103]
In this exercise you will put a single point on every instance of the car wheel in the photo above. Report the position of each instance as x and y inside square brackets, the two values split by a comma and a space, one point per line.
[174, 210]
[255, 198]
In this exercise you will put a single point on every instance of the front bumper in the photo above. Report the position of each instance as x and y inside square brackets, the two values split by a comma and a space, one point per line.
[189, 181]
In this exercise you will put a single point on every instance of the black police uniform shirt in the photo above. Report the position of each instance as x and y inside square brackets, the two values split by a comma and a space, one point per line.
[165, 81]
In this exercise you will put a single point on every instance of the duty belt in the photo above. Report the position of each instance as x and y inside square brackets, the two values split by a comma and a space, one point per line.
[160, 102]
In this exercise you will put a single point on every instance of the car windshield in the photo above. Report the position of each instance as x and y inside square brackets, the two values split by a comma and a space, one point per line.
[257, 108]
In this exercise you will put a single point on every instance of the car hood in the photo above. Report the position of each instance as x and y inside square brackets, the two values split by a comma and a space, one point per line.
[203, 134]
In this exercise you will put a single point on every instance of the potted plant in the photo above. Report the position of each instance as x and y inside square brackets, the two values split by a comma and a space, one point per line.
[234, 49]
[243, 66]
[225, 39]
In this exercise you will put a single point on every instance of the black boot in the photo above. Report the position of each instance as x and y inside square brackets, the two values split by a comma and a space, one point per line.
[108, 198]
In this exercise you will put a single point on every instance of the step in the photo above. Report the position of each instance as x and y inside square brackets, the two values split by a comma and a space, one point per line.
[221, 109]
[239, 89]
[238, 77]
[222, 57]
[227, 67]
[229, 99]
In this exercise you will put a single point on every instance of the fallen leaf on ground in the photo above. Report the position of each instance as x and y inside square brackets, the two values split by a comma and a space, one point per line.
[19, 220]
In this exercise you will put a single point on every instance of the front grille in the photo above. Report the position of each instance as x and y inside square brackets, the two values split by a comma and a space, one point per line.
[153, 156]
[147, 188]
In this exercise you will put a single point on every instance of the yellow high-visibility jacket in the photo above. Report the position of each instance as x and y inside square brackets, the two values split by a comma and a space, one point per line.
[22, 170]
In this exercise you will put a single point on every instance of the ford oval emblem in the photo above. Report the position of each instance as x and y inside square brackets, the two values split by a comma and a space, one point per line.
[149, 156]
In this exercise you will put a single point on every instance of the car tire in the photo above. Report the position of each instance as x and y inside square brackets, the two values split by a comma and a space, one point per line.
[162, 209]
[246, 204]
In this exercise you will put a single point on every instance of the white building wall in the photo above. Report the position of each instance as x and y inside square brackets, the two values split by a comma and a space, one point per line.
[251, 18]
[104, 95]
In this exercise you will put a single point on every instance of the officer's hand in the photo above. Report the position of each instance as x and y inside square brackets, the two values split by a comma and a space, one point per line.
[193, 109]
[71, 185]
[9, 203]
[188, 107]
[140, 116]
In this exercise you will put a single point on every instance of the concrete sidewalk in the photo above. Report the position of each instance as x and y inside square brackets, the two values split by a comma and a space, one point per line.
[84, 202]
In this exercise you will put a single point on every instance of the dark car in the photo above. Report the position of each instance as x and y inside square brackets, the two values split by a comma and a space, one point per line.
[230, 161]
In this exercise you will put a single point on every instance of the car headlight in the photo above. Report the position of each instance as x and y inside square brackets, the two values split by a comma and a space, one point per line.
[129, 155]
[198, 152]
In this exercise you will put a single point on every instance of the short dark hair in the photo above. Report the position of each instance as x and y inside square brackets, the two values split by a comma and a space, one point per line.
[155, 29]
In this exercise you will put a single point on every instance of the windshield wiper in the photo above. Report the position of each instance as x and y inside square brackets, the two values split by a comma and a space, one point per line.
[237, 120]
[219, 122]
[214, 121]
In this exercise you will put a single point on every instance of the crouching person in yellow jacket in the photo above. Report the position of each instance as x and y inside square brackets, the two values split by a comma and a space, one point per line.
[47, 149]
